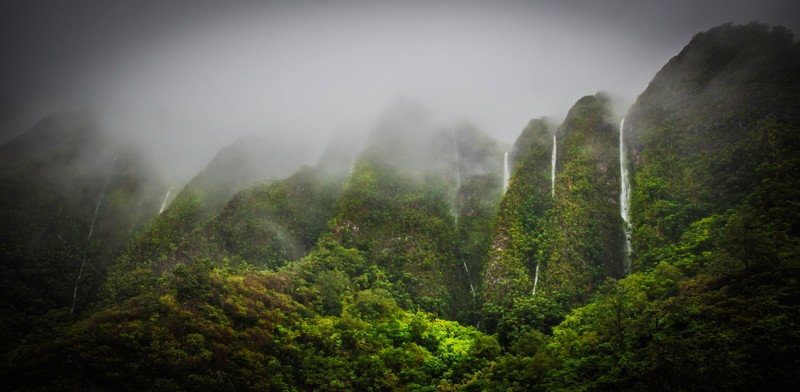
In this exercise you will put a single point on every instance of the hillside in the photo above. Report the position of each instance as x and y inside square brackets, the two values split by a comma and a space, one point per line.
[70, 201]
[405, 264]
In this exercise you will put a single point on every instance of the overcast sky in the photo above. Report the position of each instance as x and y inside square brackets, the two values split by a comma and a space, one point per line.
[304, 69]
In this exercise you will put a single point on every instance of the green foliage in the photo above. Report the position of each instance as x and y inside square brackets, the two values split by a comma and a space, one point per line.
[574, 237]
[478, 193]
[527, 315]
[402, 226]
[62, 180]
[216, 328]
[517, 242]
[663, 331]
[714, 234]
[704, 132]
[266, 226]
[300, 285]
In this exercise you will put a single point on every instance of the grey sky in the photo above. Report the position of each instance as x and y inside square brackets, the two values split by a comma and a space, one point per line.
[162, 70]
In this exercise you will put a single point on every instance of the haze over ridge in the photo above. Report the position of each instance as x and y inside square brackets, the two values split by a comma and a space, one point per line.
[185, 78]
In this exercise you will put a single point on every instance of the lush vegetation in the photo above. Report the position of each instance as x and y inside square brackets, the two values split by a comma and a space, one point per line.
[406, 270]
[712, 303]
[520, 222]
[565, 243]
[216, 328]
[69, 203]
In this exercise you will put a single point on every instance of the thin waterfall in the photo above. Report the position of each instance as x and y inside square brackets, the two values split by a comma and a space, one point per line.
[535, 279]
[164, 204]
[353, 164]
[89, 237]
[624, 197]
[553, 169]
[457, 169]
[469, 279]
[506, 172]
[457, 160]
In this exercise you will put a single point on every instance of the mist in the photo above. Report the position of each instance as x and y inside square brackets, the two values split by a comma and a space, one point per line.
[182, 79]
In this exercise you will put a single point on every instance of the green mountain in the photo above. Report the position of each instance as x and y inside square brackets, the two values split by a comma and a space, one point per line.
[479, 188]
[362, 273]
[231, 213]
[235, 167]
[71, 198]
[711, 304]
[709, 133]
[413, 192]
[559, 228]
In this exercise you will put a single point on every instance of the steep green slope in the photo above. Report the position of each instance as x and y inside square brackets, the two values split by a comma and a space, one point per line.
[587, 242]
[235, 167]
[513, 257]
[418, 204]
[268, 225]
[69, 202]
[709, 130]
[405, 227]
[265, 226]
[397, 208]
[569, 241]
[479, 185]
[713, 304]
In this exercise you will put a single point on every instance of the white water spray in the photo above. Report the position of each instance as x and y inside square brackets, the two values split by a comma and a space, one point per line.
[506, 172]
[89, 237]
[164, 204]
[553, 169]
[535, 279]
[624, 196]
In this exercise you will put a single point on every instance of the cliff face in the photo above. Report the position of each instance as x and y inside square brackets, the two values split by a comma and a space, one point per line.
[317, 282]
[520, 220]
[568, 241]
[69, 201]
[418, 203]
[707, 121]
[587, 240]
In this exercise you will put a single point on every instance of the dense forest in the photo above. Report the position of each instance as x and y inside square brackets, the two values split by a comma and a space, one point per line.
[409, 263]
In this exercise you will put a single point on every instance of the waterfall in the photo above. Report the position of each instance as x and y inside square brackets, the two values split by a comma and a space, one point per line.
[89, 237]
[164, 204]
[353, 164]
[553, 169]
[457, 165]
[506, 172]
[535, 279]
[624, 197]
[469, 279]
[457, 160]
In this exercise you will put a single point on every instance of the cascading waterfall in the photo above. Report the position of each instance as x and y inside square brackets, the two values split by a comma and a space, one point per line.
[553, 169]
[535, 279]
[506, 172]
[89, 237]
[624, 196]
[164, 204]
